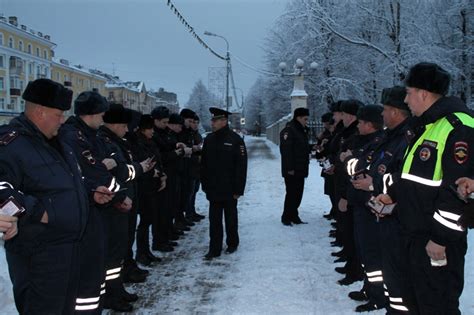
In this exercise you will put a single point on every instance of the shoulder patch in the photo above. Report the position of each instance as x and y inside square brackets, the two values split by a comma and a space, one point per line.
[285, 135]
[8, 138]
[88, 155]
[461, 154]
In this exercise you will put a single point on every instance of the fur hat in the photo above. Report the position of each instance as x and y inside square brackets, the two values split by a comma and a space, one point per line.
[48, 93]
[327, 118]
[90, 103]
[146, 122]
[428, 76]
[176, 119]
[371, 113]
[351, 106]
[301, 112]
[160, 112]
[117, 114]
[187, 113]
[395, 97]
[335, 107]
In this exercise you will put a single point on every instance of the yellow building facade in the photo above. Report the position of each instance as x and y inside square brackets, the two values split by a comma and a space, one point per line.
[25, 55]
[76, 78]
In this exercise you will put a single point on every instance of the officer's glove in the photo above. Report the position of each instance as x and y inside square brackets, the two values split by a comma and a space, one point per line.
[467, 218]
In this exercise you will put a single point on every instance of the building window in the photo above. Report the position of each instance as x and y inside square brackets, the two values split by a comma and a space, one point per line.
[1, 39]
[30, 66]
[46, 71]
[2, 61]
[11, 43]
[45, 54]
[2, 84]
[37, 52]
[38, 72]
[2, 103]
[29, 48]
[65, 78]
[14, 83]
[57, 76]
[12, 104]
[20, 45]
[21, 85]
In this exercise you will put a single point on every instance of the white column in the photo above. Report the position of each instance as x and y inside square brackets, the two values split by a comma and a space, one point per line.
[298, 95]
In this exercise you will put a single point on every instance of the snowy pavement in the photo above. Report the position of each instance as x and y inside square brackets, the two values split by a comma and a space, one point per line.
[277, 269]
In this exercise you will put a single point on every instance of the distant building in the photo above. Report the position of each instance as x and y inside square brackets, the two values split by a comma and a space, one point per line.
[77, 78]
[168, 99]
[25, 55]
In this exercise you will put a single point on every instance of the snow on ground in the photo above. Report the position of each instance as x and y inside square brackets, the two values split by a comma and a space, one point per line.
[277, 269]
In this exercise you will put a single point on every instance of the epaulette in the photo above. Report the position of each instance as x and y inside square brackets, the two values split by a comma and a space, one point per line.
[453, 119]
[7, 138]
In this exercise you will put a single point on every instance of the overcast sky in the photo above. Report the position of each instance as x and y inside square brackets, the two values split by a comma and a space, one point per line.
[144, 40]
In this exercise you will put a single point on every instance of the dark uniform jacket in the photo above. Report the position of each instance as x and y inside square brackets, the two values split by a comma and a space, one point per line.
[294, 149]
[143, 148]
[417, 203]
[334, 144]
[42, 175]
[223, 165]
[166, 141]
[346, 141]
[187, 137]
[388, 156]
[196, 157]
[90, 152]
[362, 150]
[127, 170]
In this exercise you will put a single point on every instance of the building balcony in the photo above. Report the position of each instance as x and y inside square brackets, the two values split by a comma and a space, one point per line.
[68, 83]
[16, 71]
[15, 92]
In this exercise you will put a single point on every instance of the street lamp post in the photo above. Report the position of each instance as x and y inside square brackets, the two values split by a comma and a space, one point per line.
[241, 96]
[298, 95]
[227, 58]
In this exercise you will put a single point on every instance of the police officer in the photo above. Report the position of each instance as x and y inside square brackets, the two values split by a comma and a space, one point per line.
[365, 226]
[295, 151]
[346, 141]
[223, 177]
[186, 136]
[175, 128]
[164, 240]
[40, 174]
[332, 151]
[434, 244]
[115, 126]
[149, 185]
[322, 153]
[80, 133]
[386, 159]
[196, 168]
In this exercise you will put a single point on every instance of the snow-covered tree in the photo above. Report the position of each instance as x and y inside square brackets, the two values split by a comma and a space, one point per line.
[199, 101]
[364, 46]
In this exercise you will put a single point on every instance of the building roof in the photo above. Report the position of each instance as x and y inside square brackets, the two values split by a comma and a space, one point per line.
[11, 23]
[63, 63]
